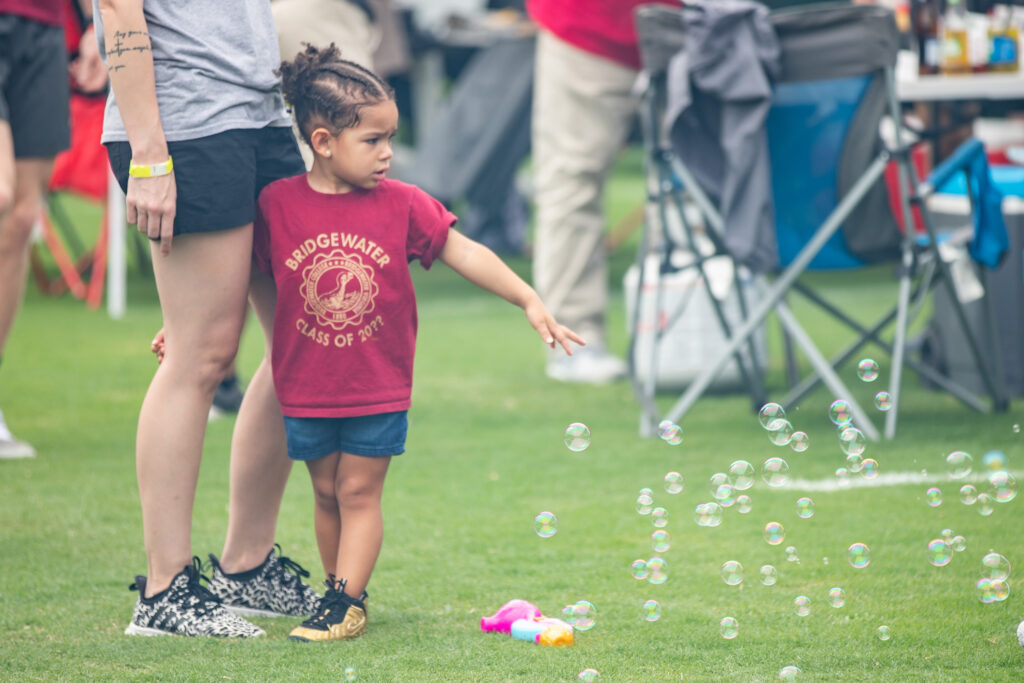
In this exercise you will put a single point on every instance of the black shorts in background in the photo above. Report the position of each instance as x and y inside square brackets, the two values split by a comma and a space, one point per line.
[219, 177]
[34, 91]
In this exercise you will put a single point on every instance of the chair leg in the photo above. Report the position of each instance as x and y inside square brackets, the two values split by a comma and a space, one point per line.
[824, 369]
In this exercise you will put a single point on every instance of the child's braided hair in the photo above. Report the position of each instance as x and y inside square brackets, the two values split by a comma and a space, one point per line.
[325, 90]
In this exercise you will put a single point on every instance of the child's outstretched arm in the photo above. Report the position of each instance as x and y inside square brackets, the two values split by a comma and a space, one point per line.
[483, 268]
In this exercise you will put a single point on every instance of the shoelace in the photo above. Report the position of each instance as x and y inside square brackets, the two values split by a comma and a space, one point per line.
[333, 598]
[195, 577]
[298, 572]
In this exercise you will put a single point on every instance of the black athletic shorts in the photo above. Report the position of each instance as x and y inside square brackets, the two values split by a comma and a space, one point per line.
[34, 89]
[219, 177]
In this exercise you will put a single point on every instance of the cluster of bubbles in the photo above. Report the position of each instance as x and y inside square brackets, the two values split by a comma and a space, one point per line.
[993, 586]
[728, 489]
[1000, 485]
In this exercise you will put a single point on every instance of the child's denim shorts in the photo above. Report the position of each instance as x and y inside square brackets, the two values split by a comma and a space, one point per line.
[310, 438]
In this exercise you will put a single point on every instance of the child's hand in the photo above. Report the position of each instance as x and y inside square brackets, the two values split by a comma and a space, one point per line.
[548, 328]
[159, 345]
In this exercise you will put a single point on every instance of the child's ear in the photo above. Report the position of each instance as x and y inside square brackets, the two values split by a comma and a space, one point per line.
[320, 140]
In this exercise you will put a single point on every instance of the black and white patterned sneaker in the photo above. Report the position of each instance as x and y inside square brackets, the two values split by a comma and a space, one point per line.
[186, 608]
[273, 589]
[338, 617]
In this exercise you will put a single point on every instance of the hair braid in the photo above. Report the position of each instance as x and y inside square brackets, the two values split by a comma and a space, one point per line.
[325, 90]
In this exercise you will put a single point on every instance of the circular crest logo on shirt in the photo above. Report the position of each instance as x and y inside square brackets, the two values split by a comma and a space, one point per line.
[339, 289]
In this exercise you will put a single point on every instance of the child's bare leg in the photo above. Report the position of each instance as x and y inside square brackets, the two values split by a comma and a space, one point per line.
[326, 511]
[359, 485]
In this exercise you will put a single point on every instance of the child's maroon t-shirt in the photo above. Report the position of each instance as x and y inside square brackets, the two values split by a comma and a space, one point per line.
[345, 321]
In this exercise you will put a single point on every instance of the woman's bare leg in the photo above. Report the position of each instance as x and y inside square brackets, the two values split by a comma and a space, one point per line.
[202, 285]
[259, 453]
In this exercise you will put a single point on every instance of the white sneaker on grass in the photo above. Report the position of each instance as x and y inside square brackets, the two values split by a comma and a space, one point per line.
[11, 447]
[586, 365]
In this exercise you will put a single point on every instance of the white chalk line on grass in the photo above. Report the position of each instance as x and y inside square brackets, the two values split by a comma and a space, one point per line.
[856, 481]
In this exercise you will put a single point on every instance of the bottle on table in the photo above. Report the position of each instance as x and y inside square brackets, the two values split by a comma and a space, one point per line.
[954, 59]
[1004, 41]
[925, 22]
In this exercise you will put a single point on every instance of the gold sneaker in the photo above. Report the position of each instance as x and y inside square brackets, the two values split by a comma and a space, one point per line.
[338, 617]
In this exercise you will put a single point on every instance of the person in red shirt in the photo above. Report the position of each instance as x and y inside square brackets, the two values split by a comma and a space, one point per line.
[583, 110]
[338, 241]
[34, 127]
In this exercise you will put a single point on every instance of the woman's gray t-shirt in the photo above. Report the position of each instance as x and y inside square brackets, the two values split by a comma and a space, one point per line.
[214, 63]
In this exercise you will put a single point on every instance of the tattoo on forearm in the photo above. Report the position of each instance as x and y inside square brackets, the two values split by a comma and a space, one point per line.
[126, 42]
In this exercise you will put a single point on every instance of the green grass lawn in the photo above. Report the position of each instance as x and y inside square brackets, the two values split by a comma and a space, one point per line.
[485, 456]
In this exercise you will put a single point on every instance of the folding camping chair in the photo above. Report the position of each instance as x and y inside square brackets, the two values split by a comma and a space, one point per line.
[827, 160]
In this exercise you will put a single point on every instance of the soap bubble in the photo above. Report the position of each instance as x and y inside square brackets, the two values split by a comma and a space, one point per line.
[577, 437]
[775, 472]
[804, 508]
[791, 555]
[883, 401]
[708, 514]
[545, 524]
[581, 616]
[660, 541]
[802, 605]
[986, 593]
[718, 479]
[725, 495]
[884, 633]
[867, 370]
[789, 673]
[800, 442]
[657, 571]
[869, 468]
[589, 675]
[644, 504]
[769, 575]
[782, 434]
[729, 628]
[959, 544]
[1002, 486]
[744, 504]
[994, 566]
[854, 462]
[732, 573]
[670, 432]
[836, 597]
[741, 473]
[968, 494]
[859, 555]
[852, 441]
[774, 533]
[674, 482]
[939, 552]
[986, 506]
[659, 517]
[350, 673]
[842, 476]
[769, 414]
[994, 461]
[651, 610]
[933, 497]
[839, 412]
[947, 535]
[1000, 590]
[959, 464]
[638, 569]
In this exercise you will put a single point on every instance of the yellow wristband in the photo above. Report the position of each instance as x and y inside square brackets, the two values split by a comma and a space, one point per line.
[150, 170]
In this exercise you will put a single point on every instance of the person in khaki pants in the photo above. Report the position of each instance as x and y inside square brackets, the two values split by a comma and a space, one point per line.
[583, 111]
